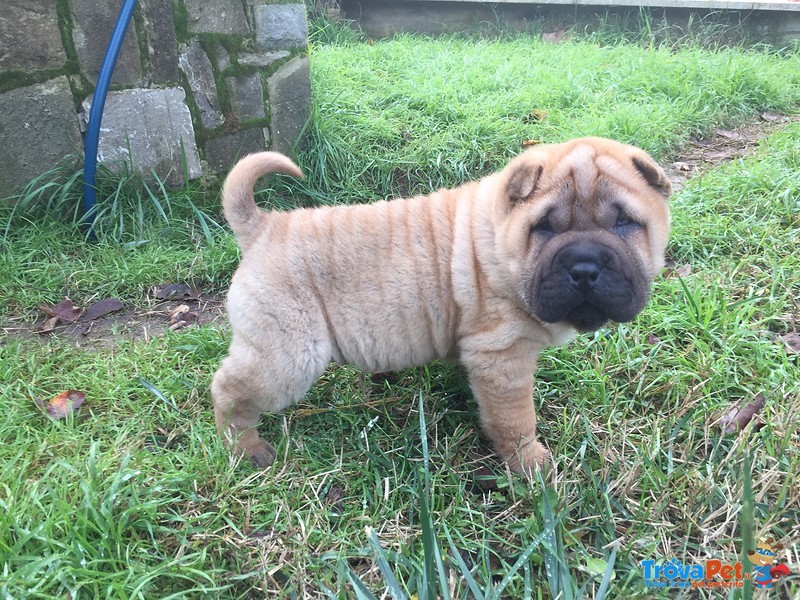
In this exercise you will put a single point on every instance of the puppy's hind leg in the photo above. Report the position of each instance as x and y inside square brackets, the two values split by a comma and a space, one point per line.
[251, 381]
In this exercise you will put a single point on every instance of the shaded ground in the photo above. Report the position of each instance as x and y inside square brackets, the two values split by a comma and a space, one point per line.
[702, 154]
[154, 316]
[151, 319]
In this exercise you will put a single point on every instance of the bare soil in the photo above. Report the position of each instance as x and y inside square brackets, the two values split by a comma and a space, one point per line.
[702, 154]
[151, 319]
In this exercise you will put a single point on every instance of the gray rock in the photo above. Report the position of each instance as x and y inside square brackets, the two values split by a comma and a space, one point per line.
[247, 96]
[195, 64]
[290, 103]
[162, 44]
[262, 59]
[223, 152]
[281, 26]
[149, 129]
[39, 128]
[29, 36]
[223, 58]
[93, 23]
[216, 16]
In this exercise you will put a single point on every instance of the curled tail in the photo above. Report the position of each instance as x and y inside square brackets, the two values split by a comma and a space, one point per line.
[237, 193]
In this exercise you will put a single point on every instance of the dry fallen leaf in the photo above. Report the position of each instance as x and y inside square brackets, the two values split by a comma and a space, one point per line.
[653, 339]
[556, 37]
[682, 166]
[529, 143]
[336, 499]
[62, 405]
[176, 291]
[673, 269]
[485, 480]
[731, 135]
[64, 310]
[792, 341]
[535, 116]
[48, 326]
[775, 117]
[101, 308]
[737, 417]
[182, 316]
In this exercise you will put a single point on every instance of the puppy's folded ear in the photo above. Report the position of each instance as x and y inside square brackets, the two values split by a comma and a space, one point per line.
[653, 175]
[523, 181]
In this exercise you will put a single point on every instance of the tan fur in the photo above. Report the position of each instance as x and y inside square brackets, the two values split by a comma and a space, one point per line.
[396, 284]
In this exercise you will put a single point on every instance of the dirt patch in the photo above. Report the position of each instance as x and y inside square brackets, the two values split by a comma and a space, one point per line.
[702, 154]
[137, 323]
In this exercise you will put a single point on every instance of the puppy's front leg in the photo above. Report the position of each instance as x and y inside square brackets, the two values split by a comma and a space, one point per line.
[503, 388]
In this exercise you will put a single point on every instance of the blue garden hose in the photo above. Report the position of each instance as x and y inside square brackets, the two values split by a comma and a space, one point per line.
[96, 112]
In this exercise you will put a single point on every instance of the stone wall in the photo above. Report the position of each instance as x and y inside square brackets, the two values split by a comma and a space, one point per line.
[197, 83]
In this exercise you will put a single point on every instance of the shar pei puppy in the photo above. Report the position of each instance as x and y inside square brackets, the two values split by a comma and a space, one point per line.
[563, 239]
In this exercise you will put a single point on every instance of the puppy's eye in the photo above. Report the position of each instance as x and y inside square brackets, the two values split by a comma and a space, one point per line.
[544, 227]
[624, 224]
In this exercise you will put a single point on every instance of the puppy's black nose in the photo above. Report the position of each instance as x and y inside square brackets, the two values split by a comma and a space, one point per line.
[584, 272]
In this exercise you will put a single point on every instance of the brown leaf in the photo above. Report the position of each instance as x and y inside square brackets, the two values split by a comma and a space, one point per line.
[731, 135]
[653, 339]
[336, 499]
[262, 534]
[720, 155]
[176, 291]
[529, 143]
[535, 116]
[682, 166]
[739, 416]
[673, 269]
[64, 310]
[556, 37]
[182, 316]
[772, 117]
[62, 405]
[792, 341]
[101, 308]
[48, 326]
[485, 479]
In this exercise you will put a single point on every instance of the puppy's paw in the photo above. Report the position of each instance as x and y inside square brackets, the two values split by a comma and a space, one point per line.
[263, 455]
[528, 458]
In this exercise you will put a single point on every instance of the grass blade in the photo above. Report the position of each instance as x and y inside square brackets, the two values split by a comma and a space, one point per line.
[463, 568]
[392, 585]
[606, 582]
[362, 592]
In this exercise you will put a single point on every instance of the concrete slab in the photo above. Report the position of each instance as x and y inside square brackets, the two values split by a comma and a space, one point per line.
[771, 5]
[151, 129]
[776, 21]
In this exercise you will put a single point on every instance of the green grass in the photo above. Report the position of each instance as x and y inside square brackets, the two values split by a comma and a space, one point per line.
[134, 497]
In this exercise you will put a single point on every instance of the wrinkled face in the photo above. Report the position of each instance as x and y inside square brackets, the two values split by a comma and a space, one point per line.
[762, 556]
[591, 219]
